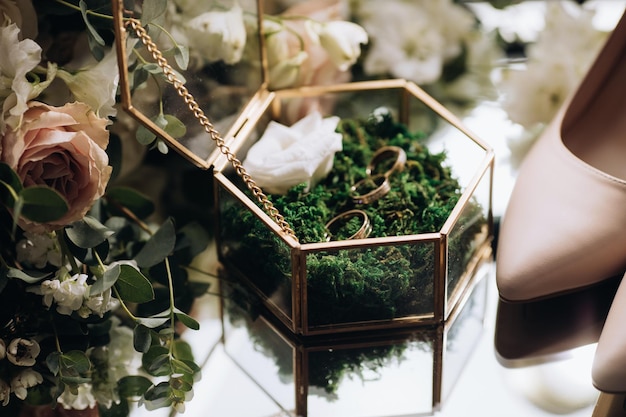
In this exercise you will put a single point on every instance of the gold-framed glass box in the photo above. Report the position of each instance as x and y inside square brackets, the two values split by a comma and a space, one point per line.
[300, 285]
[302, 282]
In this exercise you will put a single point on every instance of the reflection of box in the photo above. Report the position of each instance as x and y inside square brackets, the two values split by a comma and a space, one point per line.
[299, 281]
[375, 374]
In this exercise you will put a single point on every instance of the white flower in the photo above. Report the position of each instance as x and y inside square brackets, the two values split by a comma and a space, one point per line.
[67, 292]
[81, 400]
[218, 35]
[17, 58]
[288, 156]
[39, 249]
[23, 352]
[413, 39]
[98, 304]
[5, 392]
[533, 94]
[342, 40]
[3, 349]
[22, 13]
[96, 85]
[27, 378]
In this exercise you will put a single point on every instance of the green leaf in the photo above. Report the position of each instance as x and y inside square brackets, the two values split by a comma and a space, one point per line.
[152, 322]
[90, 28]
[76, 361]
[142, 338]
[159, 246]
[181, 55]
[144, 136]
[174, 127]
[152, 10]
[133, 286]
[133, 386]
[108, 279]
[182, 350]
[156, 361]
[88, 232]
[10, 185]
[42, 204]
[32, 277]
[53, 362]
[162, 147]
[187, 320]
[139, 204]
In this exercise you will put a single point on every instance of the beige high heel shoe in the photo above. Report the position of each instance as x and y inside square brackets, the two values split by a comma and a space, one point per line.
[565, 224]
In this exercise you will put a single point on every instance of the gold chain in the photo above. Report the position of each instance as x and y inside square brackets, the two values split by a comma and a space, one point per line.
[198, 113]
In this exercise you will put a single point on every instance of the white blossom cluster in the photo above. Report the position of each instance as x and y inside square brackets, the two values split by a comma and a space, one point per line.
[22, 354]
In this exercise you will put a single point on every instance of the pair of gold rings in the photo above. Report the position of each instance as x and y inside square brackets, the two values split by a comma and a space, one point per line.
[376, 186]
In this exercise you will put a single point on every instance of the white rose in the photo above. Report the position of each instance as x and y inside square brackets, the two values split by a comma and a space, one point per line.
[288, 156]
[95, 85]
[218, 35]
[3, 349]
[17, 58]
[341, 40]
[39, 249]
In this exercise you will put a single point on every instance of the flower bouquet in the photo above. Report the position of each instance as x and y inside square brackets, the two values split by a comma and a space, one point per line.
[94, 292]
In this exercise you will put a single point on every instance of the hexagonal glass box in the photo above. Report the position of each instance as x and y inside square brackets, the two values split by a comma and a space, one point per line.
[376, 282]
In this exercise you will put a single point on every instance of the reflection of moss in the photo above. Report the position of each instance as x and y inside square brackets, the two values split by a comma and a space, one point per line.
[360, 284]
[326, 368]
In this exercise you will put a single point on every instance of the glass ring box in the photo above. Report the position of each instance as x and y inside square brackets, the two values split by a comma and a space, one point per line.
[338, 256]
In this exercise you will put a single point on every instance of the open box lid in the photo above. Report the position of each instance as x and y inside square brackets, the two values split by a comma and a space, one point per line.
[197, 109]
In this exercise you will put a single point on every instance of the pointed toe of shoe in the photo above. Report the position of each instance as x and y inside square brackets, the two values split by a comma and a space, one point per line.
[563, 227]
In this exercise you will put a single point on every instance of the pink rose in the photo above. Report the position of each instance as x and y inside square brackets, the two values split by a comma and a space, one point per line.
[63, 148]
[317, 69]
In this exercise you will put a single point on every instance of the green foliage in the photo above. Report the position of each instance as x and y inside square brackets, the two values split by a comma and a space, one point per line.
[121, 256]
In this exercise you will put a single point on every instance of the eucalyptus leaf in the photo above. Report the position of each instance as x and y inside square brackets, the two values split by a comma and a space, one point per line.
[92, 31]
[42, 204]
[10, 185]
[175, 128]
[144, 136]
[181, 55]
[162, 147]
[182, 350]
[142, 338]
[159, 246]
[53, 362]
[88, 232]
[108, 279]
[187, 320]
[152, 10]
[75, 360]
[133, 286]
[139, 204]
[156, 361]
[152, 322]
[133, 386]
[30, 277]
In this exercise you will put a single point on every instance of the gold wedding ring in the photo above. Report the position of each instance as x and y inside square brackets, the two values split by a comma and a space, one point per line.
[370, 189]
[339, 221]
[386, 154]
